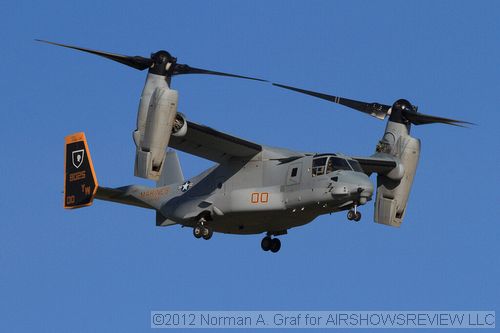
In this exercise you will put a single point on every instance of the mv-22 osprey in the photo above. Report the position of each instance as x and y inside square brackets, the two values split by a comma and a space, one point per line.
[253, 188]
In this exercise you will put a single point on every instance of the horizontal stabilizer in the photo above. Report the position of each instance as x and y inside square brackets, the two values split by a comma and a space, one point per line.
[127, 195]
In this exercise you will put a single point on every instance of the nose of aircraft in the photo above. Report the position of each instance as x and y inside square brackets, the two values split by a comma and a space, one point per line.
[363, 186]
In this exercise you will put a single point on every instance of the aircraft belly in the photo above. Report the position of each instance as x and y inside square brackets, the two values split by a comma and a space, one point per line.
[258, 222]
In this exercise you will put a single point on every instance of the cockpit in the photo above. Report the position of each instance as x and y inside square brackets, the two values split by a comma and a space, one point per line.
[325, 164]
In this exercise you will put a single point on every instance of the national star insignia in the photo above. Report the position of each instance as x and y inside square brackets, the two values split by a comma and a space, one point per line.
[186, 186]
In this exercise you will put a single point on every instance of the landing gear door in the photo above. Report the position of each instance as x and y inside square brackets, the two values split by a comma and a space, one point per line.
[294, 174]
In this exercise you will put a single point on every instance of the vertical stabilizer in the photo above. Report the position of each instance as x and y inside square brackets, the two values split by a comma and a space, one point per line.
[80, 182]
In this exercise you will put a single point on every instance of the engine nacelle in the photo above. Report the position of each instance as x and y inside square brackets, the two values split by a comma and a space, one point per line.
[155, 120]
[180, 125]
[393, 189]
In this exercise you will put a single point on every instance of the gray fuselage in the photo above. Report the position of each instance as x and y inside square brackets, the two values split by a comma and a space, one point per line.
[274, 191]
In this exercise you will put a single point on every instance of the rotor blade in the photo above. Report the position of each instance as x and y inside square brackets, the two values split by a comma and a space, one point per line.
[186, 69]
[136, 62]
[374, 109]
[423, 119]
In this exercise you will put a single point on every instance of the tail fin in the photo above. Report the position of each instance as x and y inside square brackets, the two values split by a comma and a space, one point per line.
[80, 182]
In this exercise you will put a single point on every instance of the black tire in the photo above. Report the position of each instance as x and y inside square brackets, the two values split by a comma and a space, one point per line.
[275, 245]
[207, 233]
[197, 231]
[266, 242]
[357, 217]
[351, 215]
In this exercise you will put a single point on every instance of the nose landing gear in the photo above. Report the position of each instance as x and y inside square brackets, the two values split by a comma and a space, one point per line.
[353, 214]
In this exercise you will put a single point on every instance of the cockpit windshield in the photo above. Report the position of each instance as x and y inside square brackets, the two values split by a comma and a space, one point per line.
[326, 164]
[339, 163]
[355, 166]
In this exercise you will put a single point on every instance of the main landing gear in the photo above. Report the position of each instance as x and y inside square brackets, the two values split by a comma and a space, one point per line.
[353, 214]
[272, 244]
[202, 230]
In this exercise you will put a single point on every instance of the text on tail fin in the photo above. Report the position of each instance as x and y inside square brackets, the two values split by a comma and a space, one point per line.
[80, 182]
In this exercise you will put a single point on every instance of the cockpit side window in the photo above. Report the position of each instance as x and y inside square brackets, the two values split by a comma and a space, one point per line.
[318, 166]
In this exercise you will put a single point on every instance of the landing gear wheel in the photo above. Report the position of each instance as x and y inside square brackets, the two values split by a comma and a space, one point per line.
[275, 245]
[351, 215]
[357, 217]
[197, 231]
[207, 233]
[266, 243]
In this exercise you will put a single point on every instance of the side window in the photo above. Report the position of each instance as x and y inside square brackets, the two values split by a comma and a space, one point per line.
[318, 166]
[294, 172]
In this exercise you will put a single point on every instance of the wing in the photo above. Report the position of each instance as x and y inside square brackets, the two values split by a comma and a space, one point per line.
[377, 164]
[207, 143]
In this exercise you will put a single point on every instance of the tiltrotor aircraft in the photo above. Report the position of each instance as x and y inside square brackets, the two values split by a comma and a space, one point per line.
[252, 188]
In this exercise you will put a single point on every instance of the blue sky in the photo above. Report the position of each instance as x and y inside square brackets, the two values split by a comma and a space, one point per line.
[108, 266]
